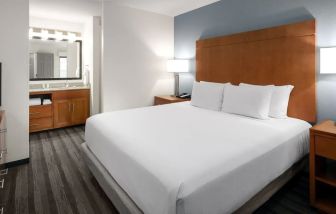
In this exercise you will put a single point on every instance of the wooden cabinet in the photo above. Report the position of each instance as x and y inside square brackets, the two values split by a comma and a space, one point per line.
[168, 99]
[68, 108]
[80, 111]
[323, 166]
[40, 118]
[70, 112]
[62, 113]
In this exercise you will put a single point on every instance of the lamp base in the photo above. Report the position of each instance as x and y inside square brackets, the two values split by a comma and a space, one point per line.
[177, 84]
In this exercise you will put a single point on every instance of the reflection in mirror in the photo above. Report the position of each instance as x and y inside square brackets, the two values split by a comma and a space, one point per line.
[50, 60]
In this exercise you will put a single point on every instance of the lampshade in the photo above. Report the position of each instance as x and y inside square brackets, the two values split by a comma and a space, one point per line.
[178, 65]
[328, 60]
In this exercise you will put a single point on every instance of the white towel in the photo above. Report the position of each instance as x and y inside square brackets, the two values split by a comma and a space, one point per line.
[34, 101]
[47, 102]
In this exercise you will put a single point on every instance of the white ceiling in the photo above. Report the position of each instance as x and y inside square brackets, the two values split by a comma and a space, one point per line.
[167, 7]
[77, 10]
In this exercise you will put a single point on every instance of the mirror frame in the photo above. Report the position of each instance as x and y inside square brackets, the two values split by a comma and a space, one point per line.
[68, 78]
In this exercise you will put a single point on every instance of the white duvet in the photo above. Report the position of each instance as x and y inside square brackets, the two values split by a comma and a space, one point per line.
[182, 159]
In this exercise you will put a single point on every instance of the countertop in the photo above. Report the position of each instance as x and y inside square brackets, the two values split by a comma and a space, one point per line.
[59, 88]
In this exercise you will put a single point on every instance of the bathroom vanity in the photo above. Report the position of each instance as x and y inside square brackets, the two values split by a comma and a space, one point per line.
[65, 107]
[59, 104]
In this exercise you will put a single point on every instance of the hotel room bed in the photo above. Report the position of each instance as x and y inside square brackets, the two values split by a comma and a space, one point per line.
[182, 159]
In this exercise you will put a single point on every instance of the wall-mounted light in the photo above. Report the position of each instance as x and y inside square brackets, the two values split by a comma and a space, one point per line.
[56, 35]
[328, 60]
[44, 35]
[71, 37]
[177, 66]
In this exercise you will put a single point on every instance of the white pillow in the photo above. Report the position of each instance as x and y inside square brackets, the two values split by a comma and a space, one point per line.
[214, 83]
[252, 102]
[279, 101]
[207, 95]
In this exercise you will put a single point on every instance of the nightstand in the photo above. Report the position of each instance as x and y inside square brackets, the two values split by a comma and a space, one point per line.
[323, 166]
[167, 99]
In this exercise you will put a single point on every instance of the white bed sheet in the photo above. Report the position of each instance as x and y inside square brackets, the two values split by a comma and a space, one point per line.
[182, 159]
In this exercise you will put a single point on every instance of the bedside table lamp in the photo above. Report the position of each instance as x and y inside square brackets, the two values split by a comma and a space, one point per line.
[177, 66]
[328, 60]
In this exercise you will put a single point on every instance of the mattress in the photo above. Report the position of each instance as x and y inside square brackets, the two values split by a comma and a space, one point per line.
[180, 159]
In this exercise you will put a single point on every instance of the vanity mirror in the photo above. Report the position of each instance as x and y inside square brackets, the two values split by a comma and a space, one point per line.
[54, 59]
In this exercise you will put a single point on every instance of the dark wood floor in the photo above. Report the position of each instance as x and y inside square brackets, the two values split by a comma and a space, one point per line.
[57, 181]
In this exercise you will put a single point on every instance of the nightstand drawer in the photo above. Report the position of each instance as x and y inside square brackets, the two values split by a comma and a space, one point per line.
[160, 101]
[325, 146]
[168, 99]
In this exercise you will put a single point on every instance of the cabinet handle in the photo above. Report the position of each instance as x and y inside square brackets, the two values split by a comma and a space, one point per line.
[4, 172]
[2, 183]
[73, 107]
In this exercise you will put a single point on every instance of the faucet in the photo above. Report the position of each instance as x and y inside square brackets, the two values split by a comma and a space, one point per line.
[67, 84]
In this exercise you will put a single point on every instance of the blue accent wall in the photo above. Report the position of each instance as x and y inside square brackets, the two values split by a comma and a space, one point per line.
[234, 16]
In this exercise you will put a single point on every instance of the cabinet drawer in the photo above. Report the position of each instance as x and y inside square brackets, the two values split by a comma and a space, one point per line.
[40, 111]
[70, 94]
[325, 146]
[40, 124]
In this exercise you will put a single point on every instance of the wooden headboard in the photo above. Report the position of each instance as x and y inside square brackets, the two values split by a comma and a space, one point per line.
[280, 55]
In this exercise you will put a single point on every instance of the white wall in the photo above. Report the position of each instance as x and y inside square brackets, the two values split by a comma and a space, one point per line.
[136, 45]
[92, 52]
[95, 76]
[14, 16]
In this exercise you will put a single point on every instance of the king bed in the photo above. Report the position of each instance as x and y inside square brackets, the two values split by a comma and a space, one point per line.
[179, 159]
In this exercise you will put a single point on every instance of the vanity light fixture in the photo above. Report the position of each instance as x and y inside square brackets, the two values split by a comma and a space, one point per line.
[56, 35]
[71, 37]
[44, 35]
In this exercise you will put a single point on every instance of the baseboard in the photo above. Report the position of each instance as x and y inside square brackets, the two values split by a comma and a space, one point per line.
[16, 163]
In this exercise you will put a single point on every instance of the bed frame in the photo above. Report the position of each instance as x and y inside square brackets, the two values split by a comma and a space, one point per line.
[279, 55]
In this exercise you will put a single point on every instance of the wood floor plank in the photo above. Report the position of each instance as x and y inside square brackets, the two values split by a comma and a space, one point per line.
[39, 175]
[73, 177]
[58, 187]
[44, 170]
[72, 147]
[21, 191]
